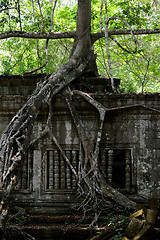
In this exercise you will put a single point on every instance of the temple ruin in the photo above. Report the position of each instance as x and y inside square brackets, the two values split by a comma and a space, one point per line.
[130, 147]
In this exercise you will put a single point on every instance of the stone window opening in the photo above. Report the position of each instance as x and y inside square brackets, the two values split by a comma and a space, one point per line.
[116, 164]
[58, 174]
[25, 182]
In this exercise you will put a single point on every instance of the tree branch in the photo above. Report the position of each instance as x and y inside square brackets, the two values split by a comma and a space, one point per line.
[157, 2]
[101, 21]
[40, 9]
[19, 13]
[38, 35]
[42, 66]
[52, 16]
[96, 36]
[73, 34]
[131, 31]
[107, 46]
[79, 126]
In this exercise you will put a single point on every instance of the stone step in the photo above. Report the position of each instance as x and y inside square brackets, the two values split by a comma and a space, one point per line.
[63, 219]
[59, 232]
[65, 227]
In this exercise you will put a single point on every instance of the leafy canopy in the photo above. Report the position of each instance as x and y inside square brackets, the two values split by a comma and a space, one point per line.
[138, 72]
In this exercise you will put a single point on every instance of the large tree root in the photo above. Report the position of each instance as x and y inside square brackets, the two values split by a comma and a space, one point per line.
[18, 137]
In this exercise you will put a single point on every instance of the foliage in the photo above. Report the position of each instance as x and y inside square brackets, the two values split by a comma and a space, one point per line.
[20, 55]
[131, 68]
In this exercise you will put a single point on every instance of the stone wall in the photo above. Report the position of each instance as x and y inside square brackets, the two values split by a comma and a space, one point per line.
[130, 146]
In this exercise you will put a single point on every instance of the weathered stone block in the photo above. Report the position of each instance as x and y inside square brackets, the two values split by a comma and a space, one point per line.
[154, 203]
[133, 228]
[147, 233]
[151, 216]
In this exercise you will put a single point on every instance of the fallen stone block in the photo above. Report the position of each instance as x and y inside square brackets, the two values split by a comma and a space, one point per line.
[133, 228]
[146, 233]
[154, 203]
[125, 238]
[151, 216]
[137, 214]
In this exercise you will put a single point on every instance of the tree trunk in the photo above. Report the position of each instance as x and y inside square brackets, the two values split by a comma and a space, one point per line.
[17, 137]
[83, 44]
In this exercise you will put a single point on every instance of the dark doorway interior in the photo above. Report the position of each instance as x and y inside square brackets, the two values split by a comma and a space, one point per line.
[118, 169]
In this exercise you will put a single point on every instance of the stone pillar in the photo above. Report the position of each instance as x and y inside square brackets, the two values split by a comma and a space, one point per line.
[30, 169]
[68, 172]
[103, 160]
[56, 170]
[74, 163]
[51, 157]
[25, 172]
[37, 171]
[62, 169]
[128, 173]
[110, 162]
